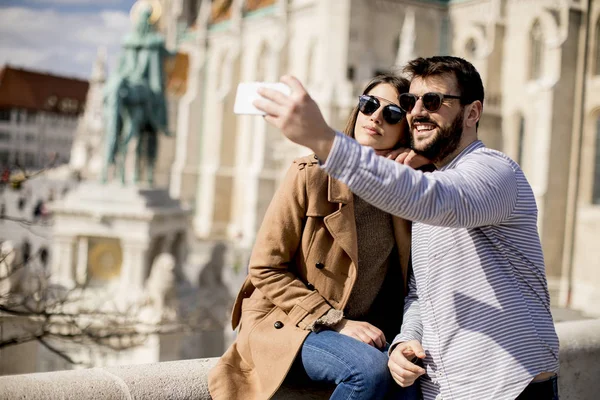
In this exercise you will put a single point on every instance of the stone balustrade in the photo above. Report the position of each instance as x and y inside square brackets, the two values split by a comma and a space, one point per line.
[187, 379]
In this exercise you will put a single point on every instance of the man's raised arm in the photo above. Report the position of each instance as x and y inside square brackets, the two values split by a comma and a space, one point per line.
[484, 193]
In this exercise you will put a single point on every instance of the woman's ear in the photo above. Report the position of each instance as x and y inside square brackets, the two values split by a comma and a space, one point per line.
[474, 111]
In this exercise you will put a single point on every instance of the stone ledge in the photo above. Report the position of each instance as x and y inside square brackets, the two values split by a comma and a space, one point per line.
[187, 379]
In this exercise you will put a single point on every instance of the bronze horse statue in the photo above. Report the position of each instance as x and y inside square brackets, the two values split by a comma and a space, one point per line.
[135, 104]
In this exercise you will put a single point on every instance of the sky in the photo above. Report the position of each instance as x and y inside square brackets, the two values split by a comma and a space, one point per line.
[61, 36]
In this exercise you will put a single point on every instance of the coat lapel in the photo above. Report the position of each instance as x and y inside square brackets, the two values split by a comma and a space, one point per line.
[341, 224]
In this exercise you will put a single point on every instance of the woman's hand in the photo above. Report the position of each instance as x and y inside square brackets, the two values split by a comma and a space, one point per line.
[406, 156]
[363, 331]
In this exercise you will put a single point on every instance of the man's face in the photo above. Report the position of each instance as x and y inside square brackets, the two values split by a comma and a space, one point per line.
[436, 134]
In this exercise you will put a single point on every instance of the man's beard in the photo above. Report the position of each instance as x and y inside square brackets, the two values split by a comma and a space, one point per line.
[444, 143]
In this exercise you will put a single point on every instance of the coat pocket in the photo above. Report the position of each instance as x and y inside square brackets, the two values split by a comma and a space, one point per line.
[274, 343]
[253, 311]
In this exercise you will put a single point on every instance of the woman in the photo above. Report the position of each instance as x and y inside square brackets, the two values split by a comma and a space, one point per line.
[324, 266]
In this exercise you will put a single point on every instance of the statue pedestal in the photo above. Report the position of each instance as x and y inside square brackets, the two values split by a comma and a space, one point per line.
[107, 236]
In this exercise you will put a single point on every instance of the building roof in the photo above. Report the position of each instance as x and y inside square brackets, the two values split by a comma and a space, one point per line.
[38, 91]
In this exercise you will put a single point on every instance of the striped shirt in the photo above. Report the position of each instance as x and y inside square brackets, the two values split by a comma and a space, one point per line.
[478, 301]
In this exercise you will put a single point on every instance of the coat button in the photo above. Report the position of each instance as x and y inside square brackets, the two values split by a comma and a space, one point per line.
[278, 324]
[320, 265]
[310, 286]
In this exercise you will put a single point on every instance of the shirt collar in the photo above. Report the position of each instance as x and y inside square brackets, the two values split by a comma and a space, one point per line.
[467, 150]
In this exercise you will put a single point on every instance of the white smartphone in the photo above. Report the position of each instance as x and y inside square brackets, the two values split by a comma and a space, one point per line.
[246, 94]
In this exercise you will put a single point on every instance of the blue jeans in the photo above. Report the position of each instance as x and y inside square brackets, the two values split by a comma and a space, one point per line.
[360, 371]
[544, 390]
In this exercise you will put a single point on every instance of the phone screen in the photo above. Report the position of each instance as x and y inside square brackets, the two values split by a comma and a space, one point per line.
[247, 93]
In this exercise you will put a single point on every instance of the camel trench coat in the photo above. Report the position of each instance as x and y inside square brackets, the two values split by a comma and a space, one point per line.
[304, 262]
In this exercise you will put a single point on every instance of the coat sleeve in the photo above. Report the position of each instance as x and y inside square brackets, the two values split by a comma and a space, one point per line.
[277, 241]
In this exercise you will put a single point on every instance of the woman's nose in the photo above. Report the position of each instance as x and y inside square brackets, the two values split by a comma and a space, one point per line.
[377, 116]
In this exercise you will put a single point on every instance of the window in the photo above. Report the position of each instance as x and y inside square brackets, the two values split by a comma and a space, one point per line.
[29, 160]
[521, 140]
[4, 157]
[4, 136]
[193, 7]
[43, 254]
[471, 48]
[4, 115]
[51, 102]
[350, 72]
[596, 189]
[68, 105]
[597, 49]
[31, 116]
[536, 45]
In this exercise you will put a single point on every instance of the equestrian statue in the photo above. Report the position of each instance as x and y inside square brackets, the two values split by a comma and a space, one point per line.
[135, 105]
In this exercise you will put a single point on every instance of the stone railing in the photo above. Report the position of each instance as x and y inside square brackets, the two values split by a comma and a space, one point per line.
[179, 380]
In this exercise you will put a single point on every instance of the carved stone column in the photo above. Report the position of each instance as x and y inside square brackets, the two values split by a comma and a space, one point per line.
[135, 267]
[82, 261]
[63, 257]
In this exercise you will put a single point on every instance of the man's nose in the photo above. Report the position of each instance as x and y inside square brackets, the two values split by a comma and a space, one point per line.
[418, 109]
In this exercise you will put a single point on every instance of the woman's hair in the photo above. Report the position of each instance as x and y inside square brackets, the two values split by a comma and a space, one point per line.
[401, 85]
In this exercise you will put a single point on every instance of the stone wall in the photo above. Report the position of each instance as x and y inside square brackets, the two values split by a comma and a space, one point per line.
[183, 380]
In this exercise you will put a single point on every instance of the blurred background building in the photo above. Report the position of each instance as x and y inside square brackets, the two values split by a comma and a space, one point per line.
[539, 60]
[38, 116]
[540, 64]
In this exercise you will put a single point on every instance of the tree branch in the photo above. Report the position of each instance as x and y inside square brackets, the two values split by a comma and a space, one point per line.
[56, 351]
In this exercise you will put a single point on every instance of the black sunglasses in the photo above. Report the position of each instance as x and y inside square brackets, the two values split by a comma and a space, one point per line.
[392, 114]
[432, 101]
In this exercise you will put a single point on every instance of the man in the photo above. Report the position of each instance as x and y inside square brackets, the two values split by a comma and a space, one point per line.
[478, 310]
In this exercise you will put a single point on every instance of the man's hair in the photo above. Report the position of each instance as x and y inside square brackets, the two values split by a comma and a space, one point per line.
[402, 85]
[467, 78]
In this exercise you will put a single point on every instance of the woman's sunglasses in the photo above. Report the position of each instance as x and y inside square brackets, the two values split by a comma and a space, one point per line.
[392, 114]
[432, 101]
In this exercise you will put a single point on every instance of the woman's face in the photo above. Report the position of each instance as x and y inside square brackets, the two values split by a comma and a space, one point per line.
[372, 130]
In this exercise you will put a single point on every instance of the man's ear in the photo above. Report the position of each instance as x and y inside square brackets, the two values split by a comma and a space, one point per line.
[473, 114]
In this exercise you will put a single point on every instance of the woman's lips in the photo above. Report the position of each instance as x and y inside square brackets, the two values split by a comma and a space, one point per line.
[371, 131]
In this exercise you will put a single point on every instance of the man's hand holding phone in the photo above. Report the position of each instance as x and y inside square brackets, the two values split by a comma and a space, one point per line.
[404, 371]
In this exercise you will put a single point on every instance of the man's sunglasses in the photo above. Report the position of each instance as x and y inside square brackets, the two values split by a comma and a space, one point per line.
[392, 114]
[432, 101]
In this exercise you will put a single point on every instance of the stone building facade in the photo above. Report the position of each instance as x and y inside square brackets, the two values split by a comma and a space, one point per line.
[539, 60]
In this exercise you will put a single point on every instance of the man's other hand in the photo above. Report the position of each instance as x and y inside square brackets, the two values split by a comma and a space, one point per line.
[406, 156]
[298, 117]
[401, 365]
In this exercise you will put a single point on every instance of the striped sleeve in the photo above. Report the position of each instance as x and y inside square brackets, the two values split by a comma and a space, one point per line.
[412, 327]
[482, 192]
